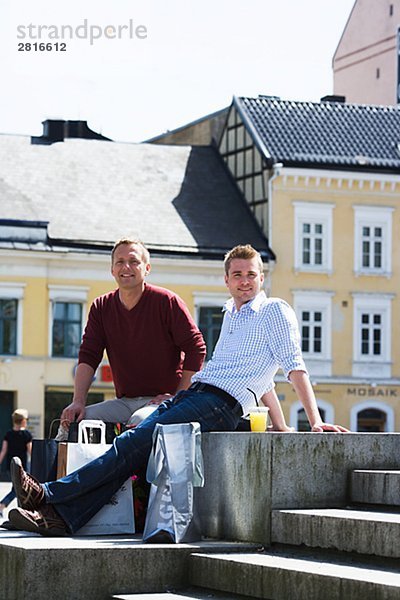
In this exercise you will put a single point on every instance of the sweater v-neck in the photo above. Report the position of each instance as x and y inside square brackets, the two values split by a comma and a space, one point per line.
[122, 305]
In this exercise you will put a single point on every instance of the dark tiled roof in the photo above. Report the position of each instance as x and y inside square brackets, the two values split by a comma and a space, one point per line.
[325, 134]
[177, 199]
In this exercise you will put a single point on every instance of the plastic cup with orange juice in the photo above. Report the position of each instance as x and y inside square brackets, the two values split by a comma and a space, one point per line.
[258, 418]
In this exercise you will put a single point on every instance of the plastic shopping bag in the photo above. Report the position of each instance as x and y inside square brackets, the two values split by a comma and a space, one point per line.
[117, 515]
[174, 469]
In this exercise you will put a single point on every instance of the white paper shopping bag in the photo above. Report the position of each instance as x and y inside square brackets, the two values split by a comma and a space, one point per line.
[117, 516]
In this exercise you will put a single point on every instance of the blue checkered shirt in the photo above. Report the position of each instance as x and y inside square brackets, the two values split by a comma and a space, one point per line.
[254, 343]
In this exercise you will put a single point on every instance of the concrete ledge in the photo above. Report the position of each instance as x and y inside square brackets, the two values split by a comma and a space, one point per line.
[249, 474]
[189, 594]
[295, 575]
[362, 531]
[376, 487]
[74, 568]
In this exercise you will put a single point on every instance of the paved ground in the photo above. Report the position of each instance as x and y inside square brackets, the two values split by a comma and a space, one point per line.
[4, 489]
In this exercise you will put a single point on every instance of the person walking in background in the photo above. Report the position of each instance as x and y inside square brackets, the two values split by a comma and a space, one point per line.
[17, 442]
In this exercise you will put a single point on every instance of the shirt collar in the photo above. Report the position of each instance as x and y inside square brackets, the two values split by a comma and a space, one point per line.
[254, 304]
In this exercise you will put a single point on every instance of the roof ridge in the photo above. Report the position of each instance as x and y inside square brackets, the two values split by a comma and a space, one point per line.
[278, 100]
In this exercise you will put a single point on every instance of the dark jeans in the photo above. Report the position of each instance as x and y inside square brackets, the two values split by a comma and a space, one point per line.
[80, 495]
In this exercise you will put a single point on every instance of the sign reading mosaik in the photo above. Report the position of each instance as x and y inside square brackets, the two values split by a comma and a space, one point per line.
[373, 392]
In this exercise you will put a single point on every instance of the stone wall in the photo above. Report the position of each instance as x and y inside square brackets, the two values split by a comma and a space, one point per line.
[249, 474]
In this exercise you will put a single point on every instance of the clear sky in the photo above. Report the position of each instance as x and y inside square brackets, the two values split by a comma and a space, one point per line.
[186, 60]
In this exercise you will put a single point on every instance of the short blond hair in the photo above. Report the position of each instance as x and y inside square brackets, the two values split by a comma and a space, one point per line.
[246, 252]
[19, 415]
[129, 241]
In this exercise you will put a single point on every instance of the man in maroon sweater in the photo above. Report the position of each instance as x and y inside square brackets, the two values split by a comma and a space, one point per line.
[152, 343]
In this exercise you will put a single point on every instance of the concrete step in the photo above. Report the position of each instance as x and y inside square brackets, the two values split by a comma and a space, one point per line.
[298, 574]
[95, 568]
[375, 487]
[186, 594]
[347, 530]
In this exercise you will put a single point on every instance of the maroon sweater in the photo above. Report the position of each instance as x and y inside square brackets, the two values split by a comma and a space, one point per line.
[144, 345]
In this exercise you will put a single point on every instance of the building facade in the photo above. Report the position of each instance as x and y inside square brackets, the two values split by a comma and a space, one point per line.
[366, 63]
[323, 181]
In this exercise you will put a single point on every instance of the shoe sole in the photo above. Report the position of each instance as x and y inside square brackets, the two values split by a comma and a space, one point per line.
[15, 470]
[22, 523]
[7, 525]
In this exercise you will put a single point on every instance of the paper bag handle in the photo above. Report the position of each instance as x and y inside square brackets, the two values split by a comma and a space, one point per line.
[51, 427]
[94, 424]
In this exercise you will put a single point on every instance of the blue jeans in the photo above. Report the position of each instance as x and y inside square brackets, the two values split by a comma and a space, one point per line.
[80, 495]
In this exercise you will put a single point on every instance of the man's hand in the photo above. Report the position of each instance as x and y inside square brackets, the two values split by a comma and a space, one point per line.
[304, 391]
[72, 412]
[284, 429]
[328, 427]
[158, 399]
[76, 410]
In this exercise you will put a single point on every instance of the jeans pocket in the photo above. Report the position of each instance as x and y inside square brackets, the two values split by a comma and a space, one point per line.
[220, 418]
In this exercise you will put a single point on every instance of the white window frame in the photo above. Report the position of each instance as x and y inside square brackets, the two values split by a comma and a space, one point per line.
[208, 299]
[382, 406]
[317, 364]
[62, 293]
[322, 404]
[370, 366]
[373, 216]
[15, 291]
[313, 213]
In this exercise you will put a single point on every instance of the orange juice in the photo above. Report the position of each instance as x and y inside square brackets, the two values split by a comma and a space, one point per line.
[258, 418]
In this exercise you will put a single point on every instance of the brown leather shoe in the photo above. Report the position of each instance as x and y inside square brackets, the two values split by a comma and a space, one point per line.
[45, 521]
[29, 491]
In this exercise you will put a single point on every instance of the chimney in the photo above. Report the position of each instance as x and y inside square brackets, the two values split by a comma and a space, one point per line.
[333, 98]
[57, 130]
[53, 130]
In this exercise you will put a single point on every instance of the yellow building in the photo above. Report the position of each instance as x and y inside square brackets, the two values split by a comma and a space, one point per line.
[63, 205]
[323, 181]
